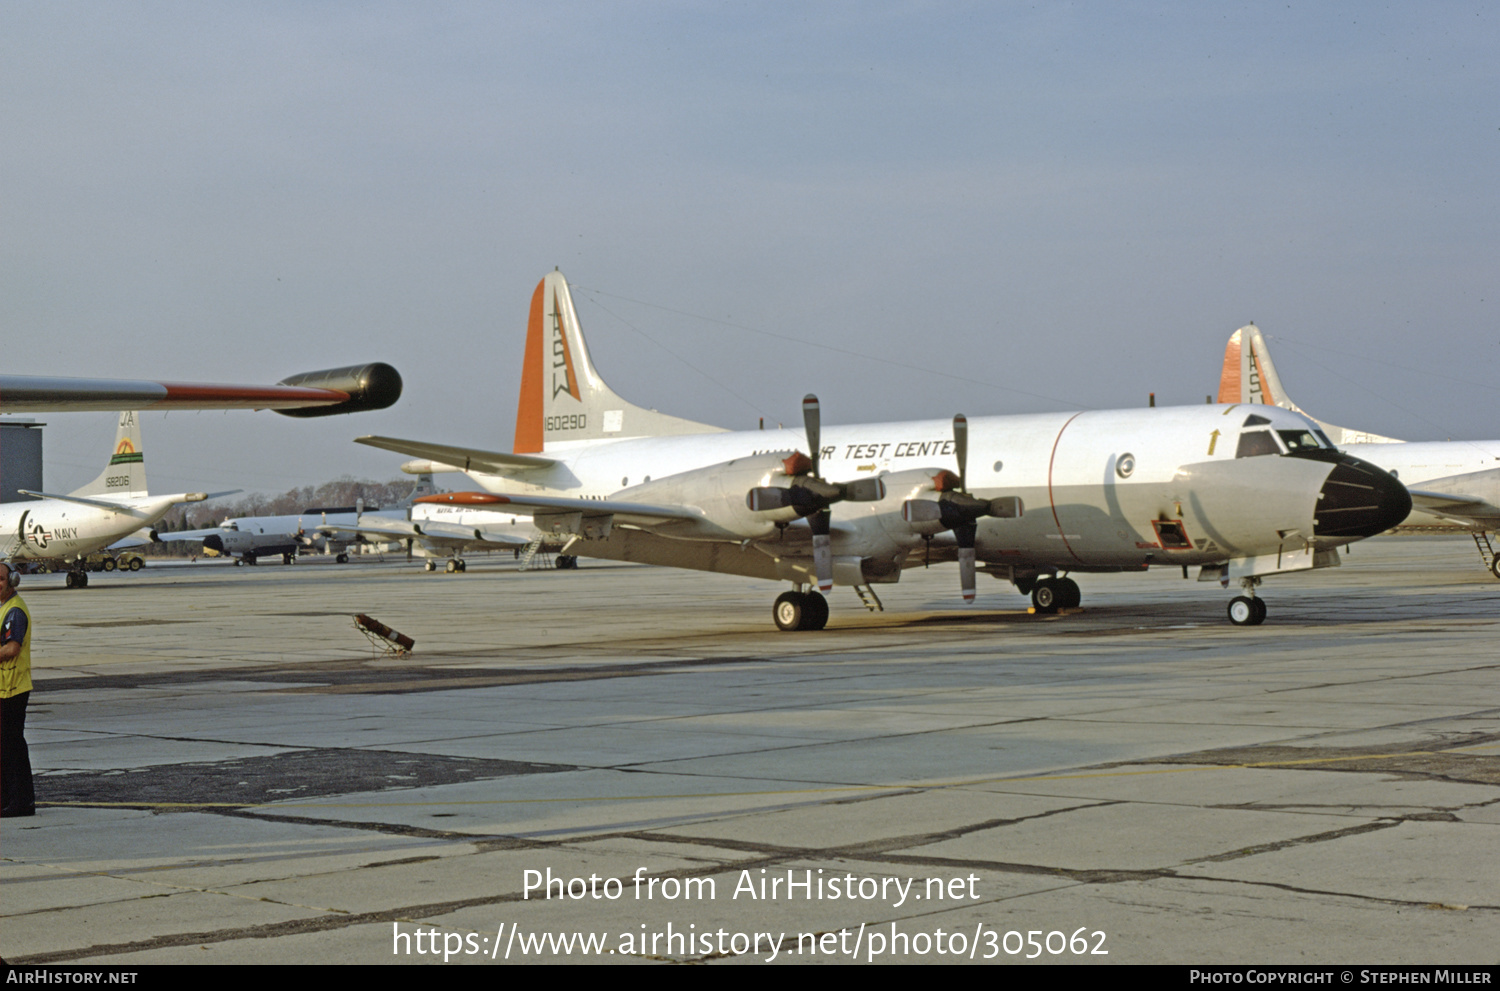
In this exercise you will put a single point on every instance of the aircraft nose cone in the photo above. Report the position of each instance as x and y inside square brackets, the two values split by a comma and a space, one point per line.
[1359, 500]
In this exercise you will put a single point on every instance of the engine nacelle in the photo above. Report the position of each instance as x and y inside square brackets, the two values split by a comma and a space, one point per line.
[373, 386]
[718, 492]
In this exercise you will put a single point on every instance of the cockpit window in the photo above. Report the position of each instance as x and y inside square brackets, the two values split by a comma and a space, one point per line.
[1256, 420]
[1324, 438]
[1299, 440]
[1254, 443]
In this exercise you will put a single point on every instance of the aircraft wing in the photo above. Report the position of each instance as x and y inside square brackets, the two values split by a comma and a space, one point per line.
[338, 390]
[460, 458]
[429, 532]
[1465, 509]
[186, 536]
[1472, 497]
[636, 513]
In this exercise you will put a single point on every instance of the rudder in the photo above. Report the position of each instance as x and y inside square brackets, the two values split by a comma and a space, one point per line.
[563, 399]
[125, 475]
[1249, 376]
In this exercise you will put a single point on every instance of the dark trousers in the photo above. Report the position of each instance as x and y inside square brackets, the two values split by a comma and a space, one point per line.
[16, 794]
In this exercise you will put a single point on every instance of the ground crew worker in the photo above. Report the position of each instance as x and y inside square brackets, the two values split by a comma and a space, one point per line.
[16, 795]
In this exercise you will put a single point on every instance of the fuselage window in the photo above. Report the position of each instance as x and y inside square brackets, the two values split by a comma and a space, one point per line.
[1254, 443]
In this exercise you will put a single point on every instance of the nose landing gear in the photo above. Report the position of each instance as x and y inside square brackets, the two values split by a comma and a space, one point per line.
[1247, 609]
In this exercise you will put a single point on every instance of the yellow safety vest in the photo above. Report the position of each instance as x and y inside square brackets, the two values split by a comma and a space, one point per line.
[15, 676]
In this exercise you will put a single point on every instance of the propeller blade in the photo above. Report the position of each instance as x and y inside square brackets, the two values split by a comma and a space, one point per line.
[822, 549]
[768, 497]
[865, 490]
[966, 572]
[961, 449]
[922, 511]
[812, 420]
[965, 534]
[1007, 507]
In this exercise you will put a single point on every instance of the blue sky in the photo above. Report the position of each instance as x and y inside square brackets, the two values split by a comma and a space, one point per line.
[984, 208]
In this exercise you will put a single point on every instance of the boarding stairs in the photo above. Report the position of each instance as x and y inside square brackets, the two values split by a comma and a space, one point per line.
[535, 556]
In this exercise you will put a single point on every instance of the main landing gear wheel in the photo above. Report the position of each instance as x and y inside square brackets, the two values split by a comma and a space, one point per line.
[430, 566]
[77, 579]
[1245, 611]
[452, 567]
[1495, 568]
[800, 611]
[567, 562]
[342, 559]
[1051, 594]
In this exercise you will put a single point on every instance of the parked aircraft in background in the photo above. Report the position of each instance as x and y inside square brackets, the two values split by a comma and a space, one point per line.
[1244, 493]
[1454, 485]
[335, 390]
[449, 524]
[67, 528]
[323, 529]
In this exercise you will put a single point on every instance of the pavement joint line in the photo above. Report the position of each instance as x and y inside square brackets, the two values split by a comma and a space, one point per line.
[923, 786]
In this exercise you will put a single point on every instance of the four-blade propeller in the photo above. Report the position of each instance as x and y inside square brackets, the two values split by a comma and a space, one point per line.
[810, 495]
[955, 509]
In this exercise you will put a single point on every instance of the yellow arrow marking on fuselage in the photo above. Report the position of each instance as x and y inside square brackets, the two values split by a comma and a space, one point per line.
[1213, 439]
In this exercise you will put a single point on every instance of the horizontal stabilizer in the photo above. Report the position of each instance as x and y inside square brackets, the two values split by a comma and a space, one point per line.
[116, 507]
[461, 458]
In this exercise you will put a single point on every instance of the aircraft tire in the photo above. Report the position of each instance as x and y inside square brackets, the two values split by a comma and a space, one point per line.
[1495, 567]
[249, 559]
[1046, 596]
[110, 564]
[452, 567]
[1069, 593]
[788, 611]
[342, 559]
[814, 611]
[430, 566]
[1245, 611]
[567, 562]
[288, 558]
[463, 565]
[239, 562]
[136, 564]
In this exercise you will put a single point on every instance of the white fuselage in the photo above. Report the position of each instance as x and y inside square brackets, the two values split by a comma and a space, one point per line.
[56, 529]
[1096, 486]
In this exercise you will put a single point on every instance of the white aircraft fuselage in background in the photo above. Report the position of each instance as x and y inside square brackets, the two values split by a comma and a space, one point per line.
[112, 506]
[1455, 485]
[1101, 490]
